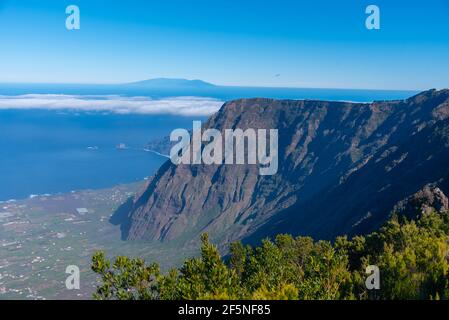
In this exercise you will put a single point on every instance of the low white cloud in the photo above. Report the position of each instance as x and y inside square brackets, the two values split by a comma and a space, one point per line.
[187, 106]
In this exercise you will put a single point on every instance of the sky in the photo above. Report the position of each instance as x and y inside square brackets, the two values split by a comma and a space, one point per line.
[280, 43]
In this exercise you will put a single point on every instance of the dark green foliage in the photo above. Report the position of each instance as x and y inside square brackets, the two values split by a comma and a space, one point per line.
[413, 258]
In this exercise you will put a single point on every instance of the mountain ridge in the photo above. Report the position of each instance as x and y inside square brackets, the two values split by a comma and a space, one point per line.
[336, 159]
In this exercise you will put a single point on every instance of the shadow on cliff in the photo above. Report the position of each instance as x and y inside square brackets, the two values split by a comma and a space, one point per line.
[121, 218]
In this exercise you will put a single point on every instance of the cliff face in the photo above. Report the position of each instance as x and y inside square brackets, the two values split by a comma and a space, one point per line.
[342, 168]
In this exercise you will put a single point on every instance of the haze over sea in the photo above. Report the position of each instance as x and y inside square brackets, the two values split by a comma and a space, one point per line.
[59, 138]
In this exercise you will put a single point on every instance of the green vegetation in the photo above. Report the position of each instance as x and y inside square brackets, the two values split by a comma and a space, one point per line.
[413, 258]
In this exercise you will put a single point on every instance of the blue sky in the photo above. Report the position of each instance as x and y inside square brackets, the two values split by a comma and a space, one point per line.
[230, 42]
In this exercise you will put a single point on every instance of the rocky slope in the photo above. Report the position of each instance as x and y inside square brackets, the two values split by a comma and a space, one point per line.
[423, 202]
[342, 168]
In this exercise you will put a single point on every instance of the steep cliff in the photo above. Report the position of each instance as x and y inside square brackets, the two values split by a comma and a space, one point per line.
[342, 168]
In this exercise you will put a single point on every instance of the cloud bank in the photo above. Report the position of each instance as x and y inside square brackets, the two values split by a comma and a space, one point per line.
[186, 106]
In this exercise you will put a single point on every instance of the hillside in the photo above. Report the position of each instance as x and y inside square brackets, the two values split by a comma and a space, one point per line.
[410, 258]
[342, 168]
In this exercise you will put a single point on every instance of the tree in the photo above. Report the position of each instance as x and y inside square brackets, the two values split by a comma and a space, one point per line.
[412, 255]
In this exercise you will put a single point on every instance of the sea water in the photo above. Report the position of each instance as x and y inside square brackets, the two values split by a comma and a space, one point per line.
[46, 152]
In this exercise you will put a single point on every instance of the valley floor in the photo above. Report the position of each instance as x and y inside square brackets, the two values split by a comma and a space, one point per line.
[43, 235]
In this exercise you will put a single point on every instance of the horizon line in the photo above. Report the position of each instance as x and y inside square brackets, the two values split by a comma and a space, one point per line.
[215, 85]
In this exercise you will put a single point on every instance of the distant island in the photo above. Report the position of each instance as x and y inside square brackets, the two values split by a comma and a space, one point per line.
[172, 83]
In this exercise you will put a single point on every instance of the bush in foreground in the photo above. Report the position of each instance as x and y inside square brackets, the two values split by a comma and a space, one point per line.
[413, 258]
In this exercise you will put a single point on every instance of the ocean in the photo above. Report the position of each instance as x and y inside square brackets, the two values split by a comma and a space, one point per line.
[57, 150]
[47, 152]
